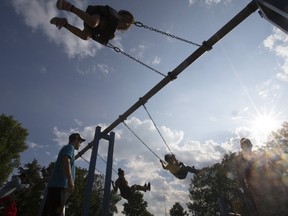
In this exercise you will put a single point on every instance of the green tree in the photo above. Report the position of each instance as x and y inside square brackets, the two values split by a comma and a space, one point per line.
[209, 185]
[177, 210]
[271, 198]
[115, 198]
[29, 200]
[136, 206]
[12, 143]
[278, 140]
[74, 203]
[277, 147]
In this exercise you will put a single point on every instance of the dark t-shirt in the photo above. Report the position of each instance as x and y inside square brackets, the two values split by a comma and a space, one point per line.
[125, 190]
[108, 23]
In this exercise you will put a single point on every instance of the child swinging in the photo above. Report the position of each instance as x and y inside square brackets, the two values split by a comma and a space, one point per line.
[100, 22]
[177, 168]
[125, 190]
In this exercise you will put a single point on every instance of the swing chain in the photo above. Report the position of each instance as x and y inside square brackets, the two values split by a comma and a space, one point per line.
[95, 167]
[118, 50]
[141, 25]
[162, 137]
[140, 140]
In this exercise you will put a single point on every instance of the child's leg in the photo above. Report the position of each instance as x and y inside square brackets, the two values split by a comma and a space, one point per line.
[83, 34]
[62, 22]
[191, 169]
[91, 21]
[138, 187]
[141, 188]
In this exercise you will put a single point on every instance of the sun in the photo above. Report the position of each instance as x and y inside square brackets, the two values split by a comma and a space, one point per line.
[263, 124]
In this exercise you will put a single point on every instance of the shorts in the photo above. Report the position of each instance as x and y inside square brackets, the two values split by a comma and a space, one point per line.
[182, 174]
[127, 193]
[55, 202]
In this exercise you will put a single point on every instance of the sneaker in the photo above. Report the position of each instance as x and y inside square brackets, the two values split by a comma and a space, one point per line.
[64, 5]
[145, 187]
[149, 186]
[195, 171]
[59, 22]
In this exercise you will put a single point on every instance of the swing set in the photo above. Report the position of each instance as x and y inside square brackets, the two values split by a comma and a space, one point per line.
[275, 11]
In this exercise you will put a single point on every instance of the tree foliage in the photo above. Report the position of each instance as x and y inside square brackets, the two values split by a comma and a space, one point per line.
[28, 201]
[212, 183]
[178, 210]
[12, 143]
[136, 206]
[277, 147]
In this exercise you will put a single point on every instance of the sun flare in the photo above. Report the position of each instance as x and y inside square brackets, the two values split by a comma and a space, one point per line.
[264, 124]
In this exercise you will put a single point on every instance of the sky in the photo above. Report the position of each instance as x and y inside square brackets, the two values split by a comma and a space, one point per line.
[55, 84]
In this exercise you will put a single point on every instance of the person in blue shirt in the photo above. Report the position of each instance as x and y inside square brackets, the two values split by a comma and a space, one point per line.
[61, 183]
[100, 22]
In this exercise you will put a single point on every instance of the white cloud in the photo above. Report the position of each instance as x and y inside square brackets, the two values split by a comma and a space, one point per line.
[191, 2]
[62, 136]
[78, 122]
[104, 68]
[33, 145]
[86, 69]
[213, 2]
[242, 131]
[209, 2]
[139, 51]
[278, 44]
[268, 89]
[93, 69]
[37, 15]
[43, 70]
[156, 61]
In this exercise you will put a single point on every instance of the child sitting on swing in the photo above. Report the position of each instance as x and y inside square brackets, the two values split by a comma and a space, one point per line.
[125, 190]
[177, 168]
[100, 22]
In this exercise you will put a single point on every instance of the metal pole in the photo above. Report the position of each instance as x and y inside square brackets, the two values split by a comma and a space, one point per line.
[106, 197]
[90, 176]
[207, 45]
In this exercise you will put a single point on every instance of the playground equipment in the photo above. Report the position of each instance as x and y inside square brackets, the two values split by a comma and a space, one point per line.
[275, 11]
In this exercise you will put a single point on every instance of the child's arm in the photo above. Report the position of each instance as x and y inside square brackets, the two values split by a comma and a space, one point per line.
[115, 188]
[162, 163]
